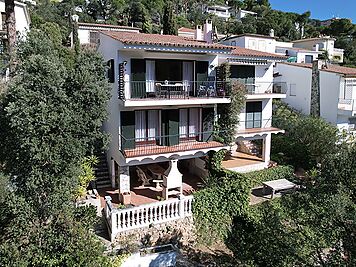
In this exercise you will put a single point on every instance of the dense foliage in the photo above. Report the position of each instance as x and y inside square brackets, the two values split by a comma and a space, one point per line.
[51, 114]
[314, 227]
[226, 196]
[307, 140]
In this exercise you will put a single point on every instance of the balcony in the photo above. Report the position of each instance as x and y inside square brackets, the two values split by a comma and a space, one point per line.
[256, 127]
[257, 89]
[347, 107]
[168, 144]
[146, 93]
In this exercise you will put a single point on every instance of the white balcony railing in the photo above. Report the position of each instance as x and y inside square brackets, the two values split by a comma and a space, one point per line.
[120, 220]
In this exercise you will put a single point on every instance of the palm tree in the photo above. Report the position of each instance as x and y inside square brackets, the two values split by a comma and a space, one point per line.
[11, 32]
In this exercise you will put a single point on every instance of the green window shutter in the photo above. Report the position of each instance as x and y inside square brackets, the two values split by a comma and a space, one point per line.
[127, 129]
[170, 127]
[111, 70]
[138, 78]
[207, 123]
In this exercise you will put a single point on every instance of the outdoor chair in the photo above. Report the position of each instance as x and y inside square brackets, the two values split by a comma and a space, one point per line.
[143, 177]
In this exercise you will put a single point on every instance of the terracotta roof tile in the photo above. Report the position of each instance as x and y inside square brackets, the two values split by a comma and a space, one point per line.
[184, 29]
[347, 71]
[109, 26]
[133, 38]
[240, 51]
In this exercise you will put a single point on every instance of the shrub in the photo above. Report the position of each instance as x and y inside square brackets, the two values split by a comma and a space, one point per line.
[280, 172]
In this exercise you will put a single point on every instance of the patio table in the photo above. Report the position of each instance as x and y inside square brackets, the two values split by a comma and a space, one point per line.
[278, 185]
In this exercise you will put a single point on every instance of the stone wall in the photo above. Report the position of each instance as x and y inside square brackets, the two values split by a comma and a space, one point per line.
[180, 232]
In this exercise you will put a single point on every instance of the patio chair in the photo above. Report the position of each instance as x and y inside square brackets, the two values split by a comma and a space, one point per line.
[143, 177]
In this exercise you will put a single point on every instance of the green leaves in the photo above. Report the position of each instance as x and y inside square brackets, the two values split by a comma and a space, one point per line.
[51, 116]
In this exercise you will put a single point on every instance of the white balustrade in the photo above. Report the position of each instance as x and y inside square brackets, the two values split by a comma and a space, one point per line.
[120, 220]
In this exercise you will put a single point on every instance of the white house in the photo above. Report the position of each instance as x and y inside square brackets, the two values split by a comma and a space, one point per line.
[165, 100]
[225, 12]
[243, 13]
[219, 11]
[297, 55]
[337, 91]
[325, 43]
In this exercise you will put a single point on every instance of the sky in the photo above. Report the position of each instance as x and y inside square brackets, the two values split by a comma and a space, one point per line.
[320, 9]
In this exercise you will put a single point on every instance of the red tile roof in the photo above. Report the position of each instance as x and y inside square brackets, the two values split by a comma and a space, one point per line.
[133, 38]
[240, 51]
[347, 71]
[184, 29]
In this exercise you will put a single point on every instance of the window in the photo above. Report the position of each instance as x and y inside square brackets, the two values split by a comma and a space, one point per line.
[189, 122]
[293, 89]
[253, 115]
[146, 125]
[94, 37]
[308, 59]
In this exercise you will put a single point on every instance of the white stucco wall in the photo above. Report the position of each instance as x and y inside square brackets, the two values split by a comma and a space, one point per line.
[264, 77]
[109, 50]
[329, 96]
[298, 81]
[21, 16]
[266, 113]
[84, 36]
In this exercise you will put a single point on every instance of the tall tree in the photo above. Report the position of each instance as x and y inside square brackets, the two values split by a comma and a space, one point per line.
[169, 21]
[11, 32]
[51, 117]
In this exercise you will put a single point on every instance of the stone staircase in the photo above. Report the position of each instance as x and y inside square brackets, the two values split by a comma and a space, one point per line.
[102, 172]
[248, 147]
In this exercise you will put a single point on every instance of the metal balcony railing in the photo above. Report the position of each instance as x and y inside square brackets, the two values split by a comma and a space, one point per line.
[131, 147]
[200, 89]
[176, 89]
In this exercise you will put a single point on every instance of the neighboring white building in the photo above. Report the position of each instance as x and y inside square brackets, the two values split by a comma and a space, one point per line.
[21, 15]
[88, 33]
[225, 12]
[219, 11]
[337, 91]
[243, 13]
[297, 55]
[326, 43]
[165, 100]
[252, 41]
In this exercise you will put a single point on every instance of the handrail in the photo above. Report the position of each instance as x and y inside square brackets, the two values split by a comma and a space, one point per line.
[205, 89]
[120, 220]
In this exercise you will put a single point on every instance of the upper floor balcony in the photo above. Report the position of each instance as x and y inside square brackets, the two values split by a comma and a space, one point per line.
[152, 93]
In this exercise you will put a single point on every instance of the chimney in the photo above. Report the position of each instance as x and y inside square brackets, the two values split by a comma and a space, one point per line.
[208, 31]
[271, 32]
[198, 33]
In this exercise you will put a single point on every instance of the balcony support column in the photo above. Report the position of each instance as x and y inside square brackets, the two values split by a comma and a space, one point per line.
[266, 148]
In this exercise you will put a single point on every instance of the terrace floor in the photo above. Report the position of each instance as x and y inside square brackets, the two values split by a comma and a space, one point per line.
[239, 159]
[151, 149]
[149, 194]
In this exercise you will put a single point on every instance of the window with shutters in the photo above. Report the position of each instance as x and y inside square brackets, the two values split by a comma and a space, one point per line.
[253, 114]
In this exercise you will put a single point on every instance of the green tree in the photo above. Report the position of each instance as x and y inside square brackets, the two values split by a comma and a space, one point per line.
[307, 140]
[51, 116]
[169, 20]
